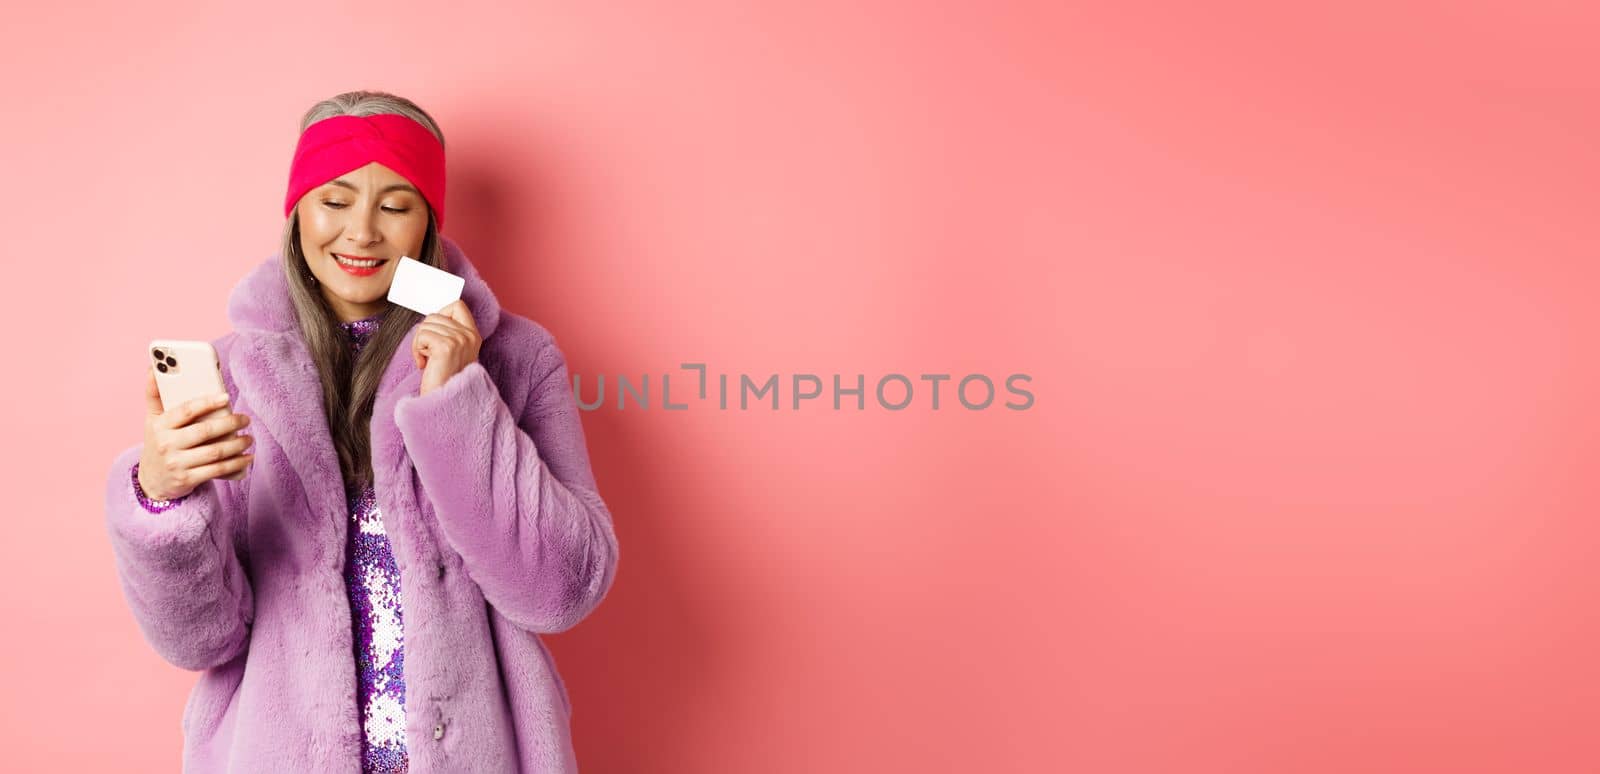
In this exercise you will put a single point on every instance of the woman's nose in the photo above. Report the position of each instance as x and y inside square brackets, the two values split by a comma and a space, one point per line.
[361, 229]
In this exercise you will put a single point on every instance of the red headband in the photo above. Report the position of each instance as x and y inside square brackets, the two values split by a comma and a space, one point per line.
[334, 146]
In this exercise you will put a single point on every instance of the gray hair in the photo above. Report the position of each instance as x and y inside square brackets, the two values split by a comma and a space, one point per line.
[350, 382]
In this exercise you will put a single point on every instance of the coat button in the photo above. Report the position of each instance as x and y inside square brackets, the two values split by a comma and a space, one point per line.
[438, 731]
[441, 572]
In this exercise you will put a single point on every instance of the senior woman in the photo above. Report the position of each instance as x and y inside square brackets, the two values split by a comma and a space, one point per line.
[418, 505]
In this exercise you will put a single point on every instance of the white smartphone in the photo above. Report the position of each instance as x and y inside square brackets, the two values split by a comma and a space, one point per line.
[186, 370]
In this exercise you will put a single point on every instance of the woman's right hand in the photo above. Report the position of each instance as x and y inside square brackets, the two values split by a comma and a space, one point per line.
[181, 453]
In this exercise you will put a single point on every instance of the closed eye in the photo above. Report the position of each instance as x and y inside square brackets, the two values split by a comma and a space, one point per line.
[342, 205]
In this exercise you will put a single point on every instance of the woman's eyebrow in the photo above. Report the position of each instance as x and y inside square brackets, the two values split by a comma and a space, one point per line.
[342, 183]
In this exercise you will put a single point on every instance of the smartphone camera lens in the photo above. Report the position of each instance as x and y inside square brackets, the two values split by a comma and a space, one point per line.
[159, 357]
[162, 367]
[172, 362]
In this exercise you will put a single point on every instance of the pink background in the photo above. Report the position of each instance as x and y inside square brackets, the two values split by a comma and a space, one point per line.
[1307, 297]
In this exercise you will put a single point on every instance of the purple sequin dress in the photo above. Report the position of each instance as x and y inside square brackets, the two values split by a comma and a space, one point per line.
[373, 582]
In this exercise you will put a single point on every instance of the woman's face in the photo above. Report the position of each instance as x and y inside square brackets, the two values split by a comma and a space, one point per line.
[370, 213]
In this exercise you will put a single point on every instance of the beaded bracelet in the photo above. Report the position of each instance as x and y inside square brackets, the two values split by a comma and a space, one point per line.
[152, 505]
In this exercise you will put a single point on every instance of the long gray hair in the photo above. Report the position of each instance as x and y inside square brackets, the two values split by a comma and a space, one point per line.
[350, 384]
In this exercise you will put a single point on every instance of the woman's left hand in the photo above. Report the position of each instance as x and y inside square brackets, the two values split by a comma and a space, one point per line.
[446, 342]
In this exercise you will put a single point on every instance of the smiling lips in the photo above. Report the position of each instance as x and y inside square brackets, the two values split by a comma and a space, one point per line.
[360, 267]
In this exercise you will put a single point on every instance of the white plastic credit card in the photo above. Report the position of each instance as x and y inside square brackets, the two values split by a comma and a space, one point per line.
[422, 288]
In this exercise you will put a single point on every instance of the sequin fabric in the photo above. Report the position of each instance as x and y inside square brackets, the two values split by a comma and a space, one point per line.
[373, 582]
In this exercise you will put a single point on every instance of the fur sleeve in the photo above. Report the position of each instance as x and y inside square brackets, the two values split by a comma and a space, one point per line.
[179, 569]
[514, 495]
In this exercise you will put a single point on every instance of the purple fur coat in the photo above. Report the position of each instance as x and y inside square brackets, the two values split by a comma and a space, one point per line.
[488, 500]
